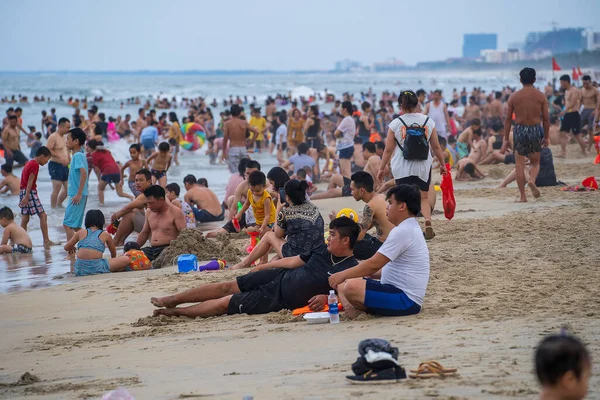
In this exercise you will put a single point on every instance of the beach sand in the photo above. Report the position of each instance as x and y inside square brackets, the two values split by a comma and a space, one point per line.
[503, 275]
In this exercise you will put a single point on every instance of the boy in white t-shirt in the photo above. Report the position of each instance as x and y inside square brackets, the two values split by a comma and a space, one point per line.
[402, 263]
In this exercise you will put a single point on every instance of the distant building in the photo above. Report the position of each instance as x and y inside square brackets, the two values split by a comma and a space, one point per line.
[389, 65]
[516, 45]
[514, 54]
[593, 40]
[347, 66]
[474, 43]
[558, 41]
[493, 56]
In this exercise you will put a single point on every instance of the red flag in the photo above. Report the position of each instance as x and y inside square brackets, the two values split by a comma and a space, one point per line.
[555, 66]
[579, 71]
[575, 76]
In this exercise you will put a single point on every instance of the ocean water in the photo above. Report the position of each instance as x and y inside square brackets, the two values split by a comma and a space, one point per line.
[19, 272]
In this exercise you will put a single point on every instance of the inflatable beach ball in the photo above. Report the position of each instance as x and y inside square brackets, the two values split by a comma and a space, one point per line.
[348, 213]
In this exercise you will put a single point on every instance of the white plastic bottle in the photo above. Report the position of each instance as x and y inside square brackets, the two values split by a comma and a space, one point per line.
[332, 301]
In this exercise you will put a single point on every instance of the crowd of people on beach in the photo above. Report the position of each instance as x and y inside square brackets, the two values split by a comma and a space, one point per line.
[382, 157]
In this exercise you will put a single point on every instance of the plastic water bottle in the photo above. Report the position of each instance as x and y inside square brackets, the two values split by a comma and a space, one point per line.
[332, 301]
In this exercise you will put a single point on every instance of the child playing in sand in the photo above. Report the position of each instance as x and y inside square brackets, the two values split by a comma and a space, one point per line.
[92, 242]
[28, 198]
[261, 202]
[173, 191]
[20, 240]
[107, 170]
[160, 161]
[563, 366]
[467, 170]
[134, 165]
[10, 183]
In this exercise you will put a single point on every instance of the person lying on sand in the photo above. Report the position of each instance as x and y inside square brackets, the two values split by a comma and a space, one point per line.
[468, 170]
[401, 263]
[283, 284]
[163, 222]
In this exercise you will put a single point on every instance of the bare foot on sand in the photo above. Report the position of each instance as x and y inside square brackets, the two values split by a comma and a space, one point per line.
[162, 302]
[534, 190]
[522, 199]
[169, 312]
[49, 243]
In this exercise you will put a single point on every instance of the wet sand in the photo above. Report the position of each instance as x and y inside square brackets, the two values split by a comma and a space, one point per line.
[502, 276]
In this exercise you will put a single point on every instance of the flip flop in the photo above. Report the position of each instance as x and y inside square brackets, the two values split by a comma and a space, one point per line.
[431, 369]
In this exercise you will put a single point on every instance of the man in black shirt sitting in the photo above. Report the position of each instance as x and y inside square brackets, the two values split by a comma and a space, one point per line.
[283, 284]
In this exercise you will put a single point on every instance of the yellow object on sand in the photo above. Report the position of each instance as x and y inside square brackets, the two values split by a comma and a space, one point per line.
[437, 188]
[348, 213]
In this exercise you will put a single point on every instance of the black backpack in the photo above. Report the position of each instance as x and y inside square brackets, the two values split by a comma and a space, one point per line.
[416, 145]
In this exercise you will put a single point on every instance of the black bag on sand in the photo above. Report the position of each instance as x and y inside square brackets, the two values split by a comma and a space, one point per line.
[378, 363]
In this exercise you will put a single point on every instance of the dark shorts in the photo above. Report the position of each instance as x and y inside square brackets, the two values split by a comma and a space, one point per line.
[111, 178]
[34, 206]
[18, 156]
[366, 248]
[388, 300]
[153, 252]
[58, 172]
[528, 139]
[415, 180]
[22, 249]
[346, 190]
[148, 144]
[314, 143]
[158, 174]
[347, 153]
[571, 123]
[260, 293]
[205, 216]
[509, 158]
[258, 144]
[284, 146]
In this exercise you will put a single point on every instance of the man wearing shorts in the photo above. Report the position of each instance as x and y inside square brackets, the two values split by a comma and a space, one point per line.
[530, 108]
[339, 186]
[591, 100]
[131, 217]
[58, 165]
[571, 121]
[288, 283]
[401, 263]
[11, 141]
[234, 138]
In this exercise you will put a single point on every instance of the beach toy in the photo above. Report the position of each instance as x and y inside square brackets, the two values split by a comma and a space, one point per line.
[254, 240]
[437, 188]
[193, 136]
[112, 228]
[187, 263]
[448, 194]
[306, 310]
[213, 265]
[590, 183]
[138, 261]
[375, 137]
[348, 213]
[234, 221]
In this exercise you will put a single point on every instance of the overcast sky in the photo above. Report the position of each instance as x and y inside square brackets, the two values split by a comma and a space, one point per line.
[262, 34]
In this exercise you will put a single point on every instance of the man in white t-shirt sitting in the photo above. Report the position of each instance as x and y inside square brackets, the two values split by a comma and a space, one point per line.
[402, 263]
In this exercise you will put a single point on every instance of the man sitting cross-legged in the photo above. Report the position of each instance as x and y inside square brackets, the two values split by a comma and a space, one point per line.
[402, 263]
[284, 284]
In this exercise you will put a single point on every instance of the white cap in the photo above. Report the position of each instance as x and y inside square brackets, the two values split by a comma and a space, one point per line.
[332, 292]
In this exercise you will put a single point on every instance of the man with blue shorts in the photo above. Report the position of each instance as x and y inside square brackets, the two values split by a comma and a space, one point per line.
[149, 138]
[78, 183]
[401, 263]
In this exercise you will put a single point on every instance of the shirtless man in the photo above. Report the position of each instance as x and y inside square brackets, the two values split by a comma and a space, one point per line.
[10, 183]
[10, 140]
[591, 102]
[207, 208]
[140, 123]
[496, 110]
[374, 215]
[234, 138]
[472, 111]
[162, 224]
[478, 147]
[59, 161]
[123, 129]
[358, 160]
[369, 153]
[528, 139]
[132, 215]
[465, 139]
[571, 120]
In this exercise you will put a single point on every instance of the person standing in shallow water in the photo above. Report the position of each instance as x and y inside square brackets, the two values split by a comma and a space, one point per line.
[528, 104]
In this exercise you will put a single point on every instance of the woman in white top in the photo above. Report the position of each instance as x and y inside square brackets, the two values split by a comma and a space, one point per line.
[345, 133]
[416, 172]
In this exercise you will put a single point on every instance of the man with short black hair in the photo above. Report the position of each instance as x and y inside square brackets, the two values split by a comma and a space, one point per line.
[11, 141]
[591, 103]
[234, 138]
[402, 263]
[571, 120]
[58, 165]
[203, 201]
[163, 222]
[288, 283]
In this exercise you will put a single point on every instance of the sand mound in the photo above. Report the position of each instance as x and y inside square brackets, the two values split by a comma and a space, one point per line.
[496, 173]
[24, 380]
[283, 317]
[161, 320]
[192, 241]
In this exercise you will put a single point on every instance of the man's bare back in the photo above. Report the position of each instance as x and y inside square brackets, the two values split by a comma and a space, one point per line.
[528, 106]
[204, 199]
[496, 108]
[377, 209]
[235, 130]
[165, 226]
[372, 166]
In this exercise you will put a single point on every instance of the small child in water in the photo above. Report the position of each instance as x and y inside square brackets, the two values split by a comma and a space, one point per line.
[20, 240]
[10, 183]
[92, 242]
[261, 202]
[563, 367]
[173, 190]
[134, 165]
[160, 161]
